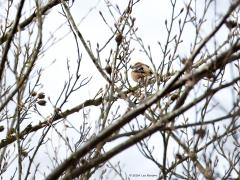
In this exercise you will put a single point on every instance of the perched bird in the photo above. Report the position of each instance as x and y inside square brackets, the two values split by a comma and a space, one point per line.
[140, 72]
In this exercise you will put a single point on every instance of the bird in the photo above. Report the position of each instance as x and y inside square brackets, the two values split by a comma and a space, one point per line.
[140, 72]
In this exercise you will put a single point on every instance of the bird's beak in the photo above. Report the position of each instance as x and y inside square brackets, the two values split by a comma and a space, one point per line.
[133, 68]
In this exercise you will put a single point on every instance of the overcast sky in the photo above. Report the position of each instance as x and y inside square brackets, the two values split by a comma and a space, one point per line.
[150, 17]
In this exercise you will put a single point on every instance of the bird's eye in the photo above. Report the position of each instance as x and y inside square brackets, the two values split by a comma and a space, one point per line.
[140, 69]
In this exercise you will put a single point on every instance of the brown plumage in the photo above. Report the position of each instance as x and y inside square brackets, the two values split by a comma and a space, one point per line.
[140, 72]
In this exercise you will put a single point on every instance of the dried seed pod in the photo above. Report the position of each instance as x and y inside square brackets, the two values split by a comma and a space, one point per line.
[231, 24]
[108, 69]
[33, 93]
[42, 102]
[179, 156]
[200, 132]
[41, 95]
[119, 38]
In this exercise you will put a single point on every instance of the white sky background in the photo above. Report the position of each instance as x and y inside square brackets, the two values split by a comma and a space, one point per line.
[150, 16]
